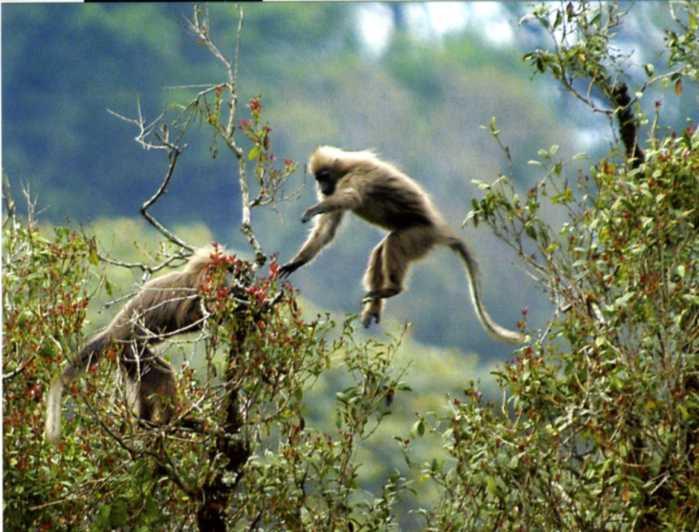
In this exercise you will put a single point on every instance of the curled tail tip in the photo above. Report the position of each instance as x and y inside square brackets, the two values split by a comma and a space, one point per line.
[506, 335]
[517, 338]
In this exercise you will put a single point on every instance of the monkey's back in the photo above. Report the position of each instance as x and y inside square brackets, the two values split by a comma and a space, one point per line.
[394, 201]
[164, 305]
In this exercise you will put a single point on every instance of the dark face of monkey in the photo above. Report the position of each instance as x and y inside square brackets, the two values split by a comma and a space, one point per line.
[327, 180]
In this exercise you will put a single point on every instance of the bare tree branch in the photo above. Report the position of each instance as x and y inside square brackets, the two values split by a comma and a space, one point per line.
[145, 130]
[200, 26]
[144, 267]
[8, 198]
[19, 369]
[172, 162]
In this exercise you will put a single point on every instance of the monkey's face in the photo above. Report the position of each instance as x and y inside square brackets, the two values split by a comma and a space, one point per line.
[327, 180]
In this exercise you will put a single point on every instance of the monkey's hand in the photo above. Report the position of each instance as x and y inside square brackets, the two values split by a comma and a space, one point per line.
[310, 213]
[289, 268]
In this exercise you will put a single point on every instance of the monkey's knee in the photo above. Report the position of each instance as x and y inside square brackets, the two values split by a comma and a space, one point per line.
[156, 409]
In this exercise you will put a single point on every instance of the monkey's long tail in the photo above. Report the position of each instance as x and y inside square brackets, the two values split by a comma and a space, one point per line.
[495, 330]
[88, 355]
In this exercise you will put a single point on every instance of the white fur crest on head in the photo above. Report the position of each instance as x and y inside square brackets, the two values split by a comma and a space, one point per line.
[329, 154]
[202, 258]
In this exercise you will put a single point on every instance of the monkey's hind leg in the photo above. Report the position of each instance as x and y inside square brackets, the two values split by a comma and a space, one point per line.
[400, 248]
[158, 392]
[373, 280]
[152, 387]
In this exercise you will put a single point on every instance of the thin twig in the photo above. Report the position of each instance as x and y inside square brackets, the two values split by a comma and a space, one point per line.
[233, 102]
[8, 198]
[141, 266]
[12, 374]
[145, 130]
[172, 157]
[173, 473]
[88, 486]
[31, 205]
[199, 25]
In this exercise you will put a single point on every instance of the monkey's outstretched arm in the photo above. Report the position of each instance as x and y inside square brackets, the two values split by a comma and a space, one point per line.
[342, 200]
[322, 234]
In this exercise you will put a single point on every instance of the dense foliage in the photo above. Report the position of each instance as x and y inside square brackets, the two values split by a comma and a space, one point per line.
[599, 427]
[260, 361]
[303, 424]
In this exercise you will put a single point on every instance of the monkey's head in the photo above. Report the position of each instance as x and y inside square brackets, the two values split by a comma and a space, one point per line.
[329, 164]
[324, 166]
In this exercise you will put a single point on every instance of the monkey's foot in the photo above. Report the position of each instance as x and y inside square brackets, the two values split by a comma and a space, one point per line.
[371, 312]
[370, 315]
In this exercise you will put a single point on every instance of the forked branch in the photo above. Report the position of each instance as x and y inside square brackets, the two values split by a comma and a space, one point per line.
[152, 137]
[201, 28]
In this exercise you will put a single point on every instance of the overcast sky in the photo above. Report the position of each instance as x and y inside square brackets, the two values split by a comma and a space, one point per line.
[433, 19]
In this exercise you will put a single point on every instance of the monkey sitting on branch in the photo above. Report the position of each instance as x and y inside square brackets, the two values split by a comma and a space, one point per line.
[165, 306]
[379, 193]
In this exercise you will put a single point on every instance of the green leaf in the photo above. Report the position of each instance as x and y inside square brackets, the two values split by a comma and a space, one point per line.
[254, 153]
[119, 514]
[529, 229]
[623, 300]
[108, 288]
[93, 257]
[418, 427]
[558, 20]
[514, 462]
[681, 270]
[491, 485]
[102, 521]
[471, 215]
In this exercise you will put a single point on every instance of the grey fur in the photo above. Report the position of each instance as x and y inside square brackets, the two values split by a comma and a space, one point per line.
[381, 194]
[164, 306]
